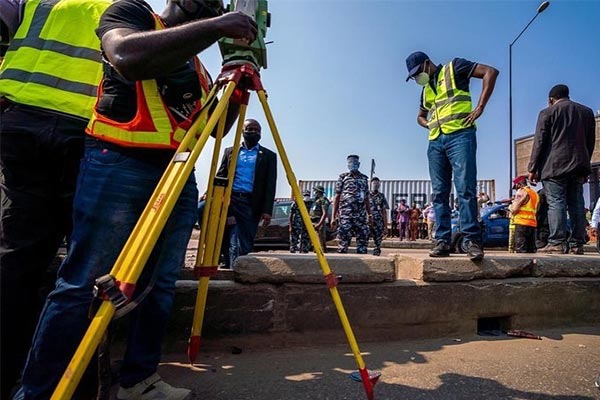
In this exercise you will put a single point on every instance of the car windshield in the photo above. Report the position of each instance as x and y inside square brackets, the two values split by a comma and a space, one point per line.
[281, 210]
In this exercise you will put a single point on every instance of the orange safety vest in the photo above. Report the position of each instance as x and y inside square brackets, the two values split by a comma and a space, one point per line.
[526, 214]
[153, 125]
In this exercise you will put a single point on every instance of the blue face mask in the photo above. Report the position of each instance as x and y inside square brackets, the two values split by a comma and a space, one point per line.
[353, 165]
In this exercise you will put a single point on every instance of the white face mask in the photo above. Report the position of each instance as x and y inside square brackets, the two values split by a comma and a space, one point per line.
[422, 78]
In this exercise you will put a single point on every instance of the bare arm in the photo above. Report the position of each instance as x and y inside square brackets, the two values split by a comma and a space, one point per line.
[145, 55]
[422, 118]
[334, 211]
[520, 198]
[489, 75]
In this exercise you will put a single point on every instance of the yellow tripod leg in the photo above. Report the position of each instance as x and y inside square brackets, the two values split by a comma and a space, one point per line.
[330, 278]
[213, 226]
[136, 251]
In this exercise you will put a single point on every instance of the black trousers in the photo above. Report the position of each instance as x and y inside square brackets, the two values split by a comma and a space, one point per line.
[40, 154]
[525, 239]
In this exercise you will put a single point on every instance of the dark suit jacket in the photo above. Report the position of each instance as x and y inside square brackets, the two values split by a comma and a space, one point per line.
[564, 141]
[265, 179]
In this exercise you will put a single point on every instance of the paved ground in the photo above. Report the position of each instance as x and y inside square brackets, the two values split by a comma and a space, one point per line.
[562, 366]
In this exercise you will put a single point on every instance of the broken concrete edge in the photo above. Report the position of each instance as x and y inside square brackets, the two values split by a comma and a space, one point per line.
[279, 269]
[305, 269]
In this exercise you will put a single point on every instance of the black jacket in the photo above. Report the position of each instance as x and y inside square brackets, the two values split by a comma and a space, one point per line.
[564, 141]
[265, 179]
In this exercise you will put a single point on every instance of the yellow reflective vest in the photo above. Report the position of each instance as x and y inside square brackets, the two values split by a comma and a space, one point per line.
[53, 61]
[526, 214]
[153, 125]
[448, 106]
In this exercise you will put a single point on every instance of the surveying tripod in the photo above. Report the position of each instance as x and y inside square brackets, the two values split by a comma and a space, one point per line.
[117, 287]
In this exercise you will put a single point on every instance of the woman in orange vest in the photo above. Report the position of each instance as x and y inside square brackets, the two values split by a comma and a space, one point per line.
[523, 209]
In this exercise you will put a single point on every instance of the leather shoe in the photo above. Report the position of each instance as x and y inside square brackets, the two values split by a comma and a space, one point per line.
[576, 250]
[475, 251]
[441, 249]
[552, 249]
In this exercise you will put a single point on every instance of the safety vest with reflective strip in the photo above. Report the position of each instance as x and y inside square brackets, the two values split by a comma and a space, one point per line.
[526, 214]
[54, 60]
[448, 107]
[153, 125]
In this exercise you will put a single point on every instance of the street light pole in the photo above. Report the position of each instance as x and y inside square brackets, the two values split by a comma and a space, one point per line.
[540, 9]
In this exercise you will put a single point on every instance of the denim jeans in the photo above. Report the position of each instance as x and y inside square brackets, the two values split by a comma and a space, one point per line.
[565, 194]
[455, 153]
[112, 190]
[40, 154]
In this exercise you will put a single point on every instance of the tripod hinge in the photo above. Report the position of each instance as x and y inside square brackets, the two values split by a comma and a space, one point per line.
[106, 287]
[332, 280]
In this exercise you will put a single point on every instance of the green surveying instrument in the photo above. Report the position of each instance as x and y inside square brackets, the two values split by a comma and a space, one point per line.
[239, 76]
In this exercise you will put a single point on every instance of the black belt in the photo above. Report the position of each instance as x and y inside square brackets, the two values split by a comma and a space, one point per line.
[241, 195]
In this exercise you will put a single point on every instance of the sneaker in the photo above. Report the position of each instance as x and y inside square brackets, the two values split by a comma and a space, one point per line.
[441, 249]
[576, 250]
[474, 251]
[552, 249]
[152, 388]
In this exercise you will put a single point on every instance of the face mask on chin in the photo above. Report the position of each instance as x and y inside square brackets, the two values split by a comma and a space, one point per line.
[422, 78]
[251, 139]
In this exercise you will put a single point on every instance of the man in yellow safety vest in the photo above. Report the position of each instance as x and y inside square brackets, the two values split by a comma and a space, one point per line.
[48, 82]
[153, 87]
[447, 113]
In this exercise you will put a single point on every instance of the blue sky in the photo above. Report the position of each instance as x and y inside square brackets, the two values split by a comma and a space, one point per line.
[337, 68]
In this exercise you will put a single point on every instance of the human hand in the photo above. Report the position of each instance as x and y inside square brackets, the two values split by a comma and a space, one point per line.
[533, 178]
[237, 25]
[476, 113]
[594, 231]
[333, 224]
[266, 218]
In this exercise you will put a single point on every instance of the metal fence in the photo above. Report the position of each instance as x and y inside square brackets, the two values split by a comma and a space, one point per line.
[413, 191]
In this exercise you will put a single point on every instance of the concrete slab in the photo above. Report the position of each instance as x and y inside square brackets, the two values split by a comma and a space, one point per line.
[301, 268]
[494, 266]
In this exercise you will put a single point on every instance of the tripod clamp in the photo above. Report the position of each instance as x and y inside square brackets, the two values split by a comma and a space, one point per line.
[108, 288]
[245, 76]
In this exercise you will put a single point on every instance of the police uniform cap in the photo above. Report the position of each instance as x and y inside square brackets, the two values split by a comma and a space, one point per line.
[352, 156]
[319, 188]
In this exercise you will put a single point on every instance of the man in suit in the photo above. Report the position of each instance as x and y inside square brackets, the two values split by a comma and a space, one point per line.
[562, 149]
[253, 190]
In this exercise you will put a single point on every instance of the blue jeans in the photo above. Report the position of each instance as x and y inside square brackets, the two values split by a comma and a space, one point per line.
[456, 153]
[112, 190]
[565, 194]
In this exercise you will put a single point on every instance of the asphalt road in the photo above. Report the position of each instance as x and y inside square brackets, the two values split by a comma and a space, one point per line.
[561, 366]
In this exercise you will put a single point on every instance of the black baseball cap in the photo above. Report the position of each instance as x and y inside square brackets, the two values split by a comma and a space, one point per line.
[413, 62]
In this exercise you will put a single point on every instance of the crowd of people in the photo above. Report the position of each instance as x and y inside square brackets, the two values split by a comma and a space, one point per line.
[92, 112]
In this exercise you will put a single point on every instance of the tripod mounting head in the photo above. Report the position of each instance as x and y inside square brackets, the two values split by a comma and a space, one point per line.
[238, 51]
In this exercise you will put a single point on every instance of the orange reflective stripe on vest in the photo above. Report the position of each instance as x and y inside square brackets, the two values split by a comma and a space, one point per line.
[526, 214]
[153, 125]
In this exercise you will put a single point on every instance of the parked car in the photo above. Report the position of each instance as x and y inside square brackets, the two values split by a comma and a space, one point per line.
[494, 228]
[277, 234]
